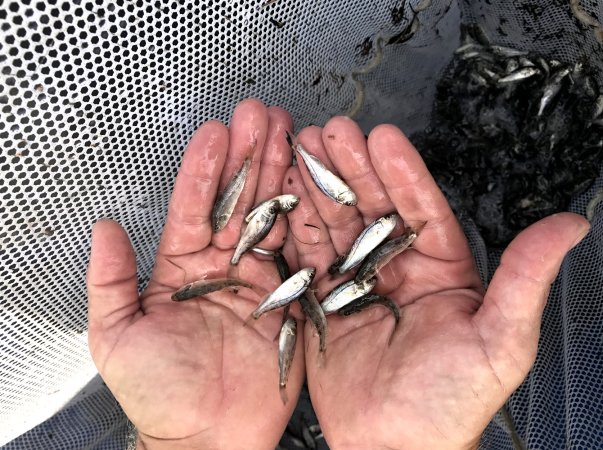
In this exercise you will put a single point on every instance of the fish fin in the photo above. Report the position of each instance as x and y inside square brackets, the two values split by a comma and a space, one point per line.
[250, 215]
[283, 392]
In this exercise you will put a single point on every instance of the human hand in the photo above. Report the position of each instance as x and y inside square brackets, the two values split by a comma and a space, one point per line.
[189, 374]
[459, 351]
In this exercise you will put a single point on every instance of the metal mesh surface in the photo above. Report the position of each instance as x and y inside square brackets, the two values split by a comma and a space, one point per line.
[97, 102]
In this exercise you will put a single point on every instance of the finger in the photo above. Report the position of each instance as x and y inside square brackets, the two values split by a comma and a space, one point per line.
[188, 223]
[416, 195]
[346, 147]
[344, 222]
[310, 235]
[112, 287]
[312, 240]
[509, 319]
[248, 129]
[276, 159]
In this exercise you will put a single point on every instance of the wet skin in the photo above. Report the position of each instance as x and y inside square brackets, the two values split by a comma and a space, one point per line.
[190, 375]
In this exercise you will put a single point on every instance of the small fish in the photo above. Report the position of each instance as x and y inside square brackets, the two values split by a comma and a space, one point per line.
[552, 89]
[471, 55]
[288, 291]
[478, 79]
[286, 203]
[525, 62]
[373, 235]
[308, 438]
[506, 52]
[311, 308]
[469, 47]
[543, 65]
[257, 228]
[554, 63]
[345, 293]
[329, 183]
[519, 75]
[227, 200]
[364, 302]
[202, 287]
[383, 254]
[286, 351]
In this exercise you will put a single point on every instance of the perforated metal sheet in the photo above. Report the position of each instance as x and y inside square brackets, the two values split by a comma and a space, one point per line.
[97, 101]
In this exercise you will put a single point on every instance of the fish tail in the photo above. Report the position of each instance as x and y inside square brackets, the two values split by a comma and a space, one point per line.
[283, 392]
[289, 138]
[420, 226]
[334, 268]
[251, 151]
[235, 258]
[251, 318]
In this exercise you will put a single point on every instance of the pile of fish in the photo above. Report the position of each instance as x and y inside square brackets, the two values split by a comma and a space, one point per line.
[370, 253]
[513, 136]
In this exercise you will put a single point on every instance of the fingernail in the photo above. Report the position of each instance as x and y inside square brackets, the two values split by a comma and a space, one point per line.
[582, 234]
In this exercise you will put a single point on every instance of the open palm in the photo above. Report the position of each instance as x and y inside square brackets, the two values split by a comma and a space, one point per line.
[459, 351]
[189, 374]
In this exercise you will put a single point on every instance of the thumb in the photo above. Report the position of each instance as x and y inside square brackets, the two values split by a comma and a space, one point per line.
[112, 288]
[509, 319]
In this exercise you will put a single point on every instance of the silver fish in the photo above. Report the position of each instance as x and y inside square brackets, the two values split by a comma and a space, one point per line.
[286, 351]
[284, 273]
[286, 203]
[257, 228]
[202, 287]
[383, 254]
[525, 62]
[506, 52]
[554, 63]
[364, 302]
[543, 65]
[329, 183]
[519, 75]
[469, 47]
[552, 89]
[471, 55]
[291, 289]
[373, 235]
[345, 293]
[227, 200]
[312, 309]
[478, 79]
